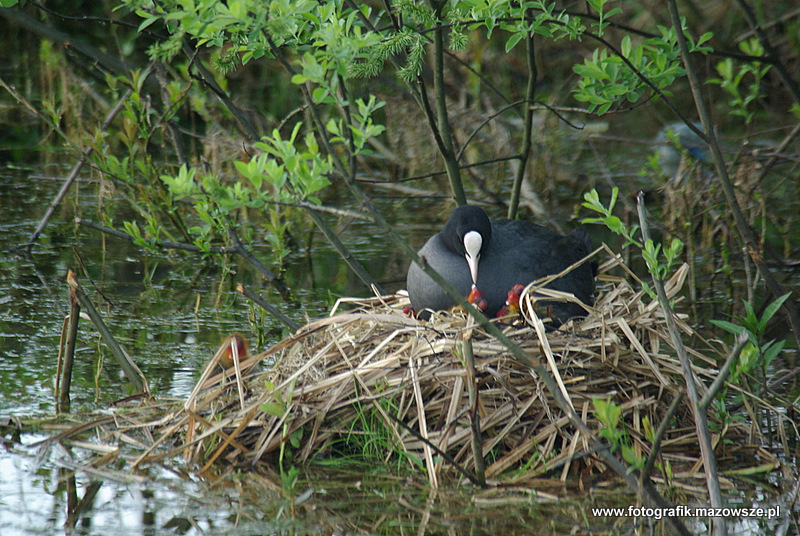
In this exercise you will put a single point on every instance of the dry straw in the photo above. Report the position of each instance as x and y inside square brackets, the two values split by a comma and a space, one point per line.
[370, 375]
[408, 377]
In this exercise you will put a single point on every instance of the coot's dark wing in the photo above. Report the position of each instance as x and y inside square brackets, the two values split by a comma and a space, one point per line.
[536, 252]
[571, 249]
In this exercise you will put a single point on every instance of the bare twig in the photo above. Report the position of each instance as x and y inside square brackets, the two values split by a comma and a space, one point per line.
[69, 42]
[724, 372]
[475, 414]
[423, 425]
[442, 121]
[700, 417]
[74, 174]
[236, 248]
[445, 455]
[659, 435]
[772, 54]
[64, 377]
[256, 263]
[767, 166]
[201, 74]
[274, 311]
[527, 134]
[162, 244]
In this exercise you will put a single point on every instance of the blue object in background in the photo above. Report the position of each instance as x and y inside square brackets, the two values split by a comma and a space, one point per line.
[688, 142]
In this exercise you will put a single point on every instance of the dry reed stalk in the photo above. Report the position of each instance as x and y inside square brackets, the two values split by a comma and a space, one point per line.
[406, 382]
[375, 355]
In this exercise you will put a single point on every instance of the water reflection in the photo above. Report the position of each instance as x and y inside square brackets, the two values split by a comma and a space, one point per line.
[53, 499]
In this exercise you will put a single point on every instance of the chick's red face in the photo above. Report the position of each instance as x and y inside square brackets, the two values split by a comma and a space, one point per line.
[512, 298]
[477, 298]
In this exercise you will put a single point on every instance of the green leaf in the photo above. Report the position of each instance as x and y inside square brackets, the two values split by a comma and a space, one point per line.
[769, 351]
[625, 46]
[295, 437]
[772, 308]
[705, 37]
[748, 358]
[649, 433]
[730, 327]
[592, 201]
[615, 224]
[607, 412]
[272, 408]
[629, 455]
[512, 41]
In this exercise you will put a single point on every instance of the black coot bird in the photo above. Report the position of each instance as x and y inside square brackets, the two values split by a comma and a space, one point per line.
[495, 255]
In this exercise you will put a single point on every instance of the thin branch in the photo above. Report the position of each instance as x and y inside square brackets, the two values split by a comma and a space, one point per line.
[74, 174]
[777, 152]
[527, 134]
[659, 436]
[446, 456]
[236, 248]
[201, 74]
[161, 244]
[772, 54]
[256, 263]
[438, 173]
[264, 304]
[132, 372]
[474, 413]
[66, 353]
[724, 372]
[69, 42]
[480, 126]
[700, 417]
[442, 120]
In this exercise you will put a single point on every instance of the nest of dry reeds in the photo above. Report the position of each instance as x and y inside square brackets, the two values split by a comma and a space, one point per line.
[373, 382]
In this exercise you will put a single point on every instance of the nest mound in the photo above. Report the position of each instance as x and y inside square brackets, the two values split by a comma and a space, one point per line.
[373, 376]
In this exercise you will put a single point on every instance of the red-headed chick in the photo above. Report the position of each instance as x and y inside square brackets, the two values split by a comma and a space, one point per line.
[477, 298]
[235, 348]
[512, 302]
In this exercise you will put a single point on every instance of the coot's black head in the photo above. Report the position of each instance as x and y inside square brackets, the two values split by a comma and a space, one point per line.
[468, 233]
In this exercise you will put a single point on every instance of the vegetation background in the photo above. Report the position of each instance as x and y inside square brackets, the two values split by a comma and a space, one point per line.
[245, 135]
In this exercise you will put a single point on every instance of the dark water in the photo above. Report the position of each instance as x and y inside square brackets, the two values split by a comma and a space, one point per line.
[169, 342]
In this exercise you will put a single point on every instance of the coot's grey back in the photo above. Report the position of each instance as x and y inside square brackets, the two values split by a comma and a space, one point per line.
[518, 253]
